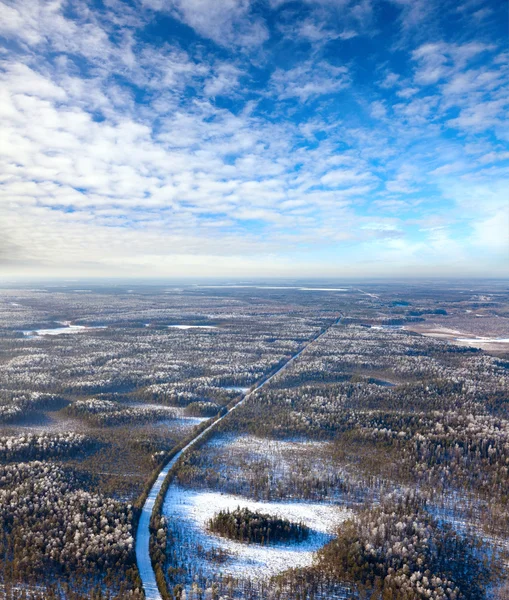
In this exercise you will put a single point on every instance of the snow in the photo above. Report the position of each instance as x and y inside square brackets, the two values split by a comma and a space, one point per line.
[143, 536]
[484, 340]
[176, 420]
[442, 331]
[240, 460]
[143, 561]
[276, 287]
[179, 424]
[459, 336]
[193, 326]
[235, 388]
[190, 510]
[52, 423]
[306, 289]
[277, 451]
[62, 330]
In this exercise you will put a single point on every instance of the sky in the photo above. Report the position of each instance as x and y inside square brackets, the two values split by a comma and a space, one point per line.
[246, 138]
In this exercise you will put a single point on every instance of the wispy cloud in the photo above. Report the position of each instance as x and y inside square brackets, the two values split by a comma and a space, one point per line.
[228, 23]
[308, 80]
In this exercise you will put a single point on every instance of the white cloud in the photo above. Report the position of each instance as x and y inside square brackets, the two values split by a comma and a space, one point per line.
[344, 177]
[390, 80]
[309, 80]
[406, 180]
[223, 81]
[433, 61]
[493, 233]
[482, 116]
[378, 109]
[317, 30]
[414, 12]
[116, 153]
[228, 23]
[69, 178]
[438, 60]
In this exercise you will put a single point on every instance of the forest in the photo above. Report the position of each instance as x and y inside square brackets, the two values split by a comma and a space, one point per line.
[248, 526]
[373, 465]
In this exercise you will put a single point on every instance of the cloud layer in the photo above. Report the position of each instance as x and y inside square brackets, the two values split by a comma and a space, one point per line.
[241, 137]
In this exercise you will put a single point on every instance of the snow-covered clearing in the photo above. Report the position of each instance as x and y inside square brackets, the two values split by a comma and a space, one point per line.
[178, 425]
[310, 289]
[52, 423]
[193, 326]
[236, 388]
[62, 330]
[276, 287]
[460, 337]
[281, 455]
[177, 418]
[266, 446]
[188, 512]
[484, 340]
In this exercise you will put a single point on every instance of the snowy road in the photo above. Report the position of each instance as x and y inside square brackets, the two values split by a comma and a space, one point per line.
[147, 574]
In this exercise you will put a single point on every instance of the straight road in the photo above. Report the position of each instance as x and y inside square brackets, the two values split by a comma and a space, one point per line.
[147, 574]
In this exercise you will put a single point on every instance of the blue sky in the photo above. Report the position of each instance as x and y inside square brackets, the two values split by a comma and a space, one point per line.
[254, 138]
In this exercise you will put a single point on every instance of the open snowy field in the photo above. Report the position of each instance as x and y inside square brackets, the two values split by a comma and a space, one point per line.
[51, 422]
[65, 330]
[188, 512]
[192, 327]
[176, 426]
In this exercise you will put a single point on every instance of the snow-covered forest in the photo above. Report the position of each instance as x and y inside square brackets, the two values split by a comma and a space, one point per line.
[373, 465]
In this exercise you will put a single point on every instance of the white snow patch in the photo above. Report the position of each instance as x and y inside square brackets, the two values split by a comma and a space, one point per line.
[484, 340]
[176, 420]
[178, 424]
[190, 510]
[276, 287]
[62, 330]
[193, 326]
[310, 289]
[52, 424]
[266, 447]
